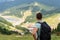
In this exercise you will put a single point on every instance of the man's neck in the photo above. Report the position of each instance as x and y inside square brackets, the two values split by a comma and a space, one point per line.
[39, 20]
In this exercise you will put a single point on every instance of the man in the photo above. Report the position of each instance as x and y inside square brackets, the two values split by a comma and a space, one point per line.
[41, 30]
[37, 26]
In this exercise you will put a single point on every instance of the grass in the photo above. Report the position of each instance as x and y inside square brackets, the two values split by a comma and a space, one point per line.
[53, 20]
[54, 37]
[15, 37]
[25, 37]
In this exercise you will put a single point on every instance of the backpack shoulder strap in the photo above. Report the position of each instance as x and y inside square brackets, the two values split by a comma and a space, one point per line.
[41, 22]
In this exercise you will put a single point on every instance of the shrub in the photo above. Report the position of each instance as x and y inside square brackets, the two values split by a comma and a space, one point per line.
[58, 28]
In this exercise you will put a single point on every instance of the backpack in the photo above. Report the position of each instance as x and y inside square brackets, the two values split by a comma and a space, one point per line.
[45, 32]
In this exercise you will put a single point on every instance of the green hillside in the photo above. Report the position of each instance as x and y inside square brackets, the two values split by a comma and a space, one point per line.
[53, 20]
[27, 12]
[19, 10]
[2, 20]
[34, 7]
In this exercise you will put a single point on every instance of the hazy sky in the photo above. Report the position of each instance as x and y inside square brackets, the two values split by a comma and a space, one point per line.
[6, 0]
[46, 2]
[33, 0]
[53, 1]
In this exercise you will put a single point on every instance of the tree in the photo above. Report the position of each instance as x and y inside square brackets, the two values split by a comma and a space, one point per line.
[58, 29]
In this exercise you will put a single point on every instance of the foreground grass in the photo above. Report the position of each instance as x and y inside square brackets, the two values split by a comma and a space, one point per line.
[55, 37]
[15, 37]
[25, 37]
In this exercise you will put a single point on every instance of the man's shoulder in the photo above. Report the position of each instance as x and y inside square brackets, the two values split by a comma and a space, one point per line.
[37, 25]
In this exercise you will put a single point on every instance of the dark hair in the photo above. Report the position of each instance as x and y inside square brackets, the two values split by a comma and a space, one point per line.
[39, 16]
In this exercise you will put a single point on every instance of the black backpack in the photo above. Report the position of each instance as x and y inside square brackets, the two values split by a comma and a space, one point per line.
[45, 32]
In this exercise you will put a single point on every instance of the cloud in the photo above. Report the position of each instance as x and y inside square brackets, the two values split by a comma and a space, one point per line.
[6, 0]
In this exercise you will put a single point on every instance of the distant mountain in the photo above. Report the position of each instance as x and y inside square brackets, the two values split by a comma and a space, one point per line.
[55, 3]
[27, 11]
[34, 7]
[8, 3]
[19, 10]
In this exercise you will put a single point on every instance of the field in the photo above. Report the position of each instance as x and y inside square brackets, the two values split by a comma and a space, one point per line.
[25, 37]
[15, 37]
[55, 37]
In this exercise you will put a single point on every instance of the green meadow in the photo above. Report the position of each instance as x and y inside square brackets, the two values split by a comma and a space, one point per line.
[25, 37]
[15, 37]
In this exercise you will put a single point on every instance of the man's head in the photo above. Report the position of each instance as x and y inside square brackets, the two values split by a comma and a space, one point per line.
[39, 16]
